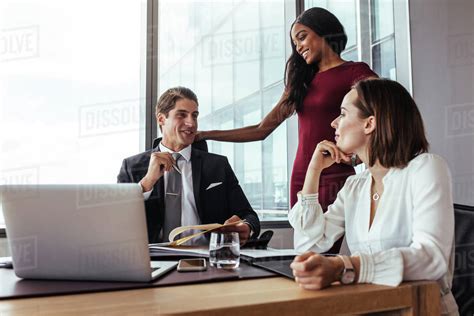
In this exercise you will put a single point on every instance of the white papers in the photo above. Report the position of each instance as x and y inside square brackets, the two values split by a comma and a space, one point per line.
[269, 252]
[156, 250]
[159, 251]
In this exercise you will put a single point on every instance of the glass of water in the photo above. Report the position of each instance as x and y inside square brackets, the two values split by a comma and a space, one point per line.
[224, 250]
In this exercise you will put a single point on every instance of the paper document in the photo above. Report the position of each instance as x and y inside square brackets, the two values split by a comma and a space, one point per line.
[157, 250]
[206, 228]
[269, 252]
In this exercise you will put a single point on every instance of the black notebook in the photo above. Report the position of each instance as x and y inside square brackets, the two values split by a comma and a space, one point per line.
[281, 267]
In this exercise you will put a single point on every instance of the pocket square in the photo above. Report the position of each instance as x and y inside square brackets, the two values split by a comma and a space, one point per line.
[213, 185]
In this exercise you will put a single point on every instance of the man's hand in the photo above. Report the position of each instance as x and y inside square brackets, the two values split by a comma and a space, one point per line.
[159, 163]
[314, 271]
[243, 228]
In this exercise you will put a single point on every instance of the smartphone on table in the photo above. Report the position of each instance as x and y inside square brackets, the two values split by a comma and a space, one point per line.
[189, 265]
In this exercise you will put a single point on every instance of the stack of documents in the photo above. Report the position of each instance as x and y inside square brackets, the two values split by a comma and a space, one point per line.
[254, 255]
[250, 255]
[156, 250]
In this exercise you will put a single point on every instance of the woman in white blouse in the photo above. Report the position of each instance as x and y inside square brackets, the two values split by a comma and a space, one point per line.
[397, 215]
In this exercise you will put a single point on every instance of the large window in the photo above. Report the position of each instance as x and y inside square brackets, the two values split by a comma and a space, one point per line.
[346, 12]
[383, 38]
[73, 81]
[370, 28]
[232, 54]
[70, 89]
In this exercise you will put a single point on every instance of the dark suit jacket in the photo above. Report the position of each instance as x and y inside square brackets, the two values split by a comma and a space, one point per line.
[214, 205]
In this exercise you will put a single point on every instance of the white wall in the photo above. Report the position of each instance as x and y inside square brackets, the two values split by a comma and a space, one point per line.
[442, 49]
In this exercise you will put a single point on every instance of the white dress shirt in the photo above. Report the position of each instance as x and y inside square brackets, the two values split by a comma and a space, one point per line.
[189, 213]
[412, 233]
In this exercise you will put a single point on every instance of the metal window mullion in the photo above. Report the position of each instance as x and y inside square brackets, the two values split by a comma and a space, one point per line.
[292, 9]
[151, 72]
[194, 52]
[211, 79]
[262, 108]
[364, 31]
[299, 7]
[402, 44]
[238, 154]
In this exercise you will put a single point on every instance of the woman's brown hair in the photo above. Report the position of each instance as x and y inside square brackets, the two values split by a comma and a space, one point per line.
[399, 134]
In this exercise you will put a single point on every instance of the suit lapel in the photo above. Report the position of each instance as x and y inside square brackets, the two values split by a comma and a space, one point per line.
[196, 165]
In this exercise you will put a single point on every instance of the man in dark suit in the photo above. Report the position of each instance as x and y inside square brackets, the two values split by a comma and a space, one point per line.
[208, 191]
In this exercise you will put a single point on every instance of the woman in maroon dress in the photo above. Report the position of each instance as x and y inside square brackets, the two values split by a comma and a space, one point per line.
[316, 80]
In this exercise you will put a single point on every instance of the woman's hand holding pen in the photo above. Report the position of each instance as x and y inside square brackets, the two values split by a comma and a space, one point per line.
[326, 154]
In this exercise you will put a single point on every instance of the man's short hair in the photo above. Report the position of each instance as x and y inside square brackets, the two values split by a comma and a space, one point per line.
[167, 100]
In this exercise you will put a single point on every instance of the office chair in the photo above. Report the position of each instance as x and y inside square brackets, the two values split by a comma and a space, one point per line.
[463, 279]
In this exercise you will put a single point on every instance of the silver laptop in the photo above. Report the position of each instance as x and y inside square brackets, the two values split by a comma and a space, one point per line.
[79, 232]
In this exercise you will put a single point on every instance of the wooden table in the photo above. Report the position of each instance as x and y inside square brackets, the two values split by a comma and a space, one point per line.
[271, 296]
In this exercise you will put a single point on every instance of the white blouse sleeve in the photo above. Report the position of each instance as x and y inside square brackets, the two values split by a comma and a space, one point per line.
[313, 229]
[427, 257]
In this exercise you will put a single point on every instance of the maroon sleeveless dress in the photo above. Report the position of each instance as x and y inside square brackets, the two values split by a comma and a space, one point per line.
[320, 107]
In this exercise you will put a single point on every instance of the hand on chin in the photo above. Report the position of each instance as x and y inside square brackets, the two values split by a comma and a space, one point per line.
[346, 151]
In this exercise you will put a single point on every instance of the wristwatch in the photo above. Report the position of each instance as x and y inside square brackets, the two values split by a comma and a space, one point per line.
[348, 275]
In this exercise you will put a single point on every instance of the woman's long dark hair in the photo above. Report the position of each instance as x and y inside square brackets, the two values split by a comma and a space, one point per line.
[298, 74]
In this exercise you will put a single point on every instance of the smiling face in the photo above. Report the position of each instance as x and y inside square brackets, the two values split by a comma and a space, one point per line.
[180, 125]
[308, 44]
[352, 131]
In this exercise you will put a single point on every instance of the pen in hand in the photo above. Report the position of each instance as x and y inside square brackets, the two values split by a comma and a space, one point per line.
[176, 168]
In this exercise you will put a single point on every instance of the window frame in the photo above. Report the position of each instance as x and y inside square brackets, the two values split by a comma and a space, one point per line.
[293, 8]
[152, 70]
[150, 80]
[401, 34]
